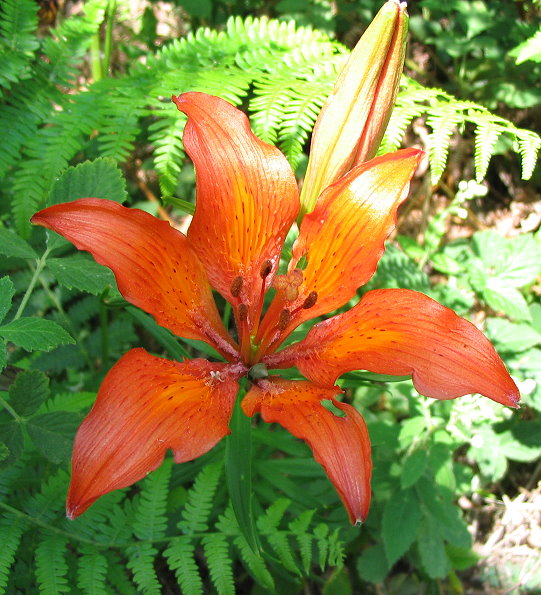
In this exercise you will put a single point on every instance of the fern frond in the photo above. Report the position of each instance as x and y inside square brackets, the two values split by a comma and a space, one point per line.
[48, 503]
[299, 528]
[141, 562]
[443, 123]
[50, 563]
[486, 136]
[216, 549]
[529, 144]
[11, 531]
[117, 576]
[200, 498]
[91, 570]
[180, 558]
[18, 41]
[336, 550]
[402, 116]
[254, 563]
[150, 521]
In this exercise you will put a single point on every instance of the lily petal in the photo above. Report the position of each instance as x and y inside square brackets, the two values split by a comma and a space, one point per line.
[145, 406]
[340, 444]
[343, 237]
[247, 199]
[403, 332]
[154, 265]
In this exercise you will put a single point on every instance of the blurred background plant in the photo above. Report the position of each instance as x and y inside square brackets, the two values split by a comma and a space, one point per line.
[85, 111]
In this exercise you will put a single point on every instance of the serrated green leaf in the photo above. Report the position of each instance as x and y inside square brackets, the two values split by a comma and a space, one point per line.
[100, 178]
[52, 434]
[414, 466]
[81, 272]
[432, 548]
[28, 392]
[517, 450]
[11, 436]
[35, 333]
[7, 291]
[372, 565]
[503, 298]
[487, 451]
[13, 245]
[400, 522]
[511, 337]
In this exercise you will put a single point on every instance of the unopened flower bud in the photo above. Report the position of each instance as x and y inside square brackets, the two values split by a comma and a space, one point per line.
[352, 122]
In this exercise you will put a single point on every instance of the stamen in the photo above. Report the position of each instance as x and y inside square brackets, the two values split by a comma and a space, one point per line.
[236, 286]
[310, 300]
[243, 312]
[266, 269]
[285, 319]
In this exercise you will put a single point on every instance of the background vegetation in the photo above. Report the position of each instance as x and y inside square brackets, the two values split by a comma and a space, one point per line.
[85, 111]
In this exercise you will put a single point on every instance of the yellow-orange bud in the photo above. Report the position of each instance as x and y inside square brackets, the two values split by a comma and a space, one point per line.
[352, 122]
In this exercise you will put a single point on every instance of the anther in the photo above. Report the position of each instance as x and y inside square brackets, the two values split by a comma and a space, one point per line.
[266, 269]
[236, 286]
[243, 312]
[285, 319]
[310, 300]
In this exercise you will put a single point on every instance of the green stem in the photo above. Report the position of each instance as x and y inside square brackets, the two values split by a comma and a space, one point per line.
[10, 410]
[111, 8]
[183, 205]
[40, 265]
[95, 57]
[104, 334]
[238, 471]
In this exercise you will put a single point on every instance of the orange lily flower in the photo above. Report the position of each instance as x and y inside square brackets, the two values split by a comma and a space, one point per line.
[247, 199]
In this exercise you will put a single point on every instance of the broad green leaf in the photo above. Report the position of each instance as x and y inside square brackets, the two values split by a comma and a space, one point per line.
[372, 565]
[510, 337]
[487, 451]
[35, 333]
[11, 436]
[100, 178]
[524, 443]
[52, 434]
[7, 291]
[338, 583]
[461, 557]
[411, 429]
[28, 392]
[431, 548]
[445, 264]
[79, 271]
[414, 466]
[503, 298]
[400, 522]
[13, 245]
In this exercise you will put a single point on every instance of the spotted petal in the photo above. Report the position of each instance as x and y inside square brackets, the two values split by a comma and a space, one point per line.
[340, 444]
[342, 239]
[247, 198]
[154, 265]
[145, 406]
[403, 332]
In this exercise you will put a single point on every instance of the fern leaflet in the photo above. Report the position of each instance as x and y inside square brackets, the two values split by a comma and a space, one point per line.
[180, 558]
[51, 566]
[141, 563]
[11, 530]
[91, 570]
[216, 550]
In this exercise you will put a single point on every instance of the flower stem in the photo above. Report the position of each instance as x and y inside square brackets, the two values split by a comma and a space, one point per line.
[111, 7]
[40, 265]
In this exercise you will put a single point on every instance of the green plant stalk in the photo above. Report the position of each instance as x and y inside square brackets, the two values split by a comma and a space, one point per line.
[104, 334]
[10, 410]
[95, 58]
[181, 204]
[106, 64]
[238, 472]
[40, 265]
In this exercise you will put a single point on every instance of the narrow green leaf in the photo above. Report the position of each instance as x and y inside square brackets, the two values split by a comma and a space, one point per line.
[28, 392]
[238, 471]
[13, 245]
[400, 523]
[414, 466]
[53, 433]
[35, 333]
[7, 291]
[432, 548]
[100, 178]
[79, 271]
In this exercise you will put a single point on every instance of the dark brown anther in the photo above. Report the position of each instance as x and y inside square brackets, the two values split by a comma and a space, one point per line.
[236, 286]
[243, 312]
[310, 300]
[285, 319]
[266, 269]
